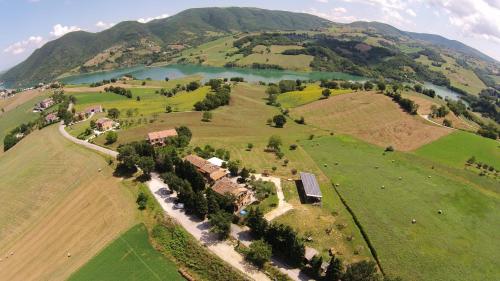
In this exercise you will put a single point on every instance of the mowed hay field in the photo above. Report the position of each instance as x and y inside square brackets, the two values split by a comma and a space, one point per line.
[456, 148]
[310, 94]
[149, 102]
[371, 117]
[293, 62]
[129, 257]
[54, 201]
[18, 99]
[460, 244]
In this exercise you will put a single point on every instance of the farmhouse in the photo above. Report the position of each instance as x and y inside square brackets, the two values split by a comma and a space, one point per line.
[310, 187]
[94, 109]
[159, 138]
[51, 117]
[46, 103]
[310, 253]
[211, 172]
[241, 194]
[105, 124]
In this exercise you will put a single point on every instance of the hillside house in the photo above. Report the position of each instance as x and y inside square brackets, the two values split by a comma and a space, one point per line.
[105, 124]
[241, 194]
[51, 118]
[216, 161]
[94, 109]
[310, 187]
[46, 103]
[210, 171]
[159, 138]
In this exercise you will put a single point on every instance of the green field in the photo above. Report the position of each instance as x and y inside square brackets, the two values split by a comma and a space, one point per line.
[293, 62]
[130, 257]
[149, 103]
[456, 148]
[15, 117]
[309, 94]
[459, 76]
[460, 244]
[213, 53]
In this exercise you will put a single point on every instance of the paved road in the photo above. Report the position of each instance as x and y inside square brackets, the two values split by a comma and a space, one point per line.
[201, 231]
[101, 149]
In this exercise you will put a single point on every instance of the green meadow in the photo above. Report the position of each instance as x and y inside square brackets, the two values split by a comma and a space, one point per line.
[310, 94]
[386, 191]
[456, 148]
[130, 257]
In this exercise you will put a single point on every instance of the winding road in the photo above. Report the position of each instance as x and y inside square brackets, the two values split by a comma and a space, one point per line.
[101, 149]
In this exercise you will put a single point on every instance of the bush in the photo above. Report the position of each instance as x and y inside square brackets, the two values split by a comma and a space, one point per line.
[111, 137]
[447, 123]
[259, 253]
[389, 148]
[142, 201]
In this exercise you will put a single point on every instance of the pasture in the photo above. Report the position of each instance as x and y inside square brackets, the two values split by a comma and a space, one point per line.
[369, 180]
[129, 257]
[371, 117]
[310, 94]
[19, 99]
[292, 62]
[55, 201]
[456, 148]
[214, 53]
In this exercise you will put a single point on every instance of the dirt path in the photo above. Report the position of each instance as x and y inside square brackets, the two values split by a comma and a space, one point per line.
[283, 206]
[200, 230]
[101, 149]
[426, 117]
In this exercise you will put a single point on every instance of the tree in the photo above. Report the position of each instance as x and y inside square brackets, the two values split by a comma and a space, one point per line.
[316, 263]
[274, 143]
[326, 93]
[381, 86]
[191, 86]
[93, 124]
[166, 79]
[138, 98]
[244, 173]
[221, 224]
[256, 222]
[207, 116]
[361, 271]
[200, 205]
[111, 137]
[417, 88]
[335, 269]
[471, 160]
[368, 86]
[259, 253]
[168, 109]
[147, 165]
[287, 86]
[142, 200]
[113, 113]
[233, 167]
[279, 121]
[447, 123]
[249, 146]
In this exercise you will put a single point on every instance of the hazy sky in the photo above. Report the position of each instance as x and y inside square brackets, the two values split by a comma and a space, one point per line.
[27, 24]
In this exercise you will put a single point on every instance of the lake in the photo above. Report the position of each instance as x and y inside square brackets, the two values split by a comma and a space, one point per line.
[444, 92]
[207, 72]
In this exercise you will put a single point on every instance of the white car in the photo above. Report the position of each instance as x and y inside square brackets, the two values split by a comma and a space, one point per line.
[179, 206]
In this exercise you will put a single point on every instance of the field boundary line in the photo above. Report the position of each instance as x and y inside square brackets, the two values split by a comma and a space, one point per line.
[361, 229]
[140, 259]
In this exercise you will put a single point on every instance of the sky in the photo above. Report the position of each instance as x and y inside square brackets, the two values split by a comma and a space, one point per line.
[26, 25]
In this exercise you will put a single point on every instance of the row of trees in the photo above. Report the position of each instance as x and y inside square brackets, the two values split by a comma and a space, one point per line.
[406, 104]
[119, 91]
[103, 82]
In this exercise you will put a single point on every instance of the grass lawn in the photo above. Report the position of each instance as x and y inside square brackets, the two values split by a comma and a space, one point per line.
[149, 103]
[460, 77]
[78, 129]
[57, 197]
[270, 202]
[130, 257]
[309, 94]
[456, 148]
[439, 245]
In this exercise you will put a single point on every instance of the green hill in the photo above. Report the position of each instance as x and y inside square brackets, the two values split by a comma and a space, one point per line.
[192, 26]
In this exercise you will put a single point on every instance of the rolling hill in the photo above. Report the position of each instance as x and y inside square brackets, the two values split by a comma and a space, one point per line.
[164, 41]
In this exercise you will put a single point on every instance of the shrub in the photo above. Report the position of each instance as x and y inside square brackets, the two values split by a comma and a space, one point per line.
[259, 253]
[142, 200]
[389, 148]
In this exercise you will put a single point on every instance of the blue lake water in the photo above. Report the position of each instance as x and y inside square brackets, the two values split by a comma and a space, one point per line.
[179, 71]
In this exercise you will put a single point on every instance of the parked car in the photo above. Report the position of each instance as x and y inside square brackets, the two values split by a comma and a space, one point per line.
[179, 206]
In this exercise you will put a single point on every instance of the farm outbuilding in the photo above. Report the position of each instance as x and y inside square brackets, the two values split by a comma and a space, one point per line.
[310, 186]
